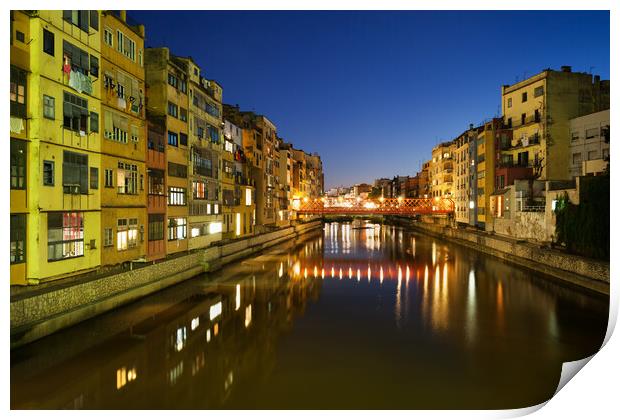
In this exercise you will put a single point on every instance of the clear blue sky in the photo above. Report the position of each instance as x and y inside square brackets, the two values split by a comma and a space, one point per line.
[372, 92]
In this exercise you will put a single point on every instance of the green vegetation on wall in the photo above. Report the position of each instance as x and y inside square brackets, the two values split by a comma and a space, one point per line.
[584, 228]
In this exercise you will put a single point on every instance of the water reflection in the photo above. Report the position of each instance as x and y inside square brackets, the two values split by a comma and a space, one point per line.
[299, 329]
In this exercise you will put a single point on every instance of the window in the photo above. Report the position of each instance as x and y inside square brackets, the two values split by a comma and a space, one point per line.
[592, 133]
[135, 133]
[524, 97]
[121, 234]
[126, 234]
[248, 197]
[183, 114]
[94, 19]
[108, 37]
[509, 103]
[173, 81]
[509, 123]
[173, 139]
[48, 172]
[76, 57]
[204, 166]
[18, 92]
[65, 235]
[132, 233]
[94, 178]
[574, 136]
[156, 180]
[18, 164]
[79, 18]
[116, 127]
[212, 110]
[75, 112]
[593, 154]
[176, 196]
[177, 170]
[18, 238]
[126, 45]
[20, 36]
[48, 42]
[481, 174]
[108, 237]
[576, 158]
[536, 115]
[75, 173]
[539, 91]
[183, 86]
[127, 178]
[94, 66]
[49, 107]
[228, 146]
[523, 118]
[214, 134]
[94, 122]
[177, 228]
[156, 227]
[200, 190]
[109, 178]
[173, 110]
[183, 139]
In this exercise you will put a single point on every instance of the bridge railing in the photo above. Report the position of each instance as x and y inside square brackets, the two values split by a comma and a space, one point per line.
[406, 206]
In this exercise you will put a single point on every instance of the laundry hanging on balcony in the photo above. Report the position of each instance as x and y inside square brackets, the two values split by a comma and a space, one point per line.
[74, 82]
[66, 65]
[17, 125]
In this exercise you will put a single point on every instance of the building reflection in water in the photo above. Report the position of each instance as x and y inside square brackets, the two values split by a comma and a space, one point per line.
[213, 343]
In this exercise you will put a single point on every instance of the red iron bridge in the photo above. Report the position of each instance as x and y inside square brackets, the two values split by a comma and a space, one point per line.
[381, 206]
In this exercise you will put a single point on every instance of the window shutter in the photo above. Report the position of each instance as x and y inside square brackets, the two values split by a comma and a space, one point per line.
[108, 122]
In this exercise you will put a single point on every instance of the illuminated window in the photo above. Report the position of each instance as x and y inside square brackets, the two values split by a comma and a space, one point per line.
[127, 178]
[177, 196]
[248, 197]
[65, 235]
[177, 228]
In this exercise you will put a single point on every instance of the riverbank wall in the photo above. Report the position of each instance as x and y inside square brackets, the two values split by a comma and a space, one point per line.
[42, 312]
[573, 270]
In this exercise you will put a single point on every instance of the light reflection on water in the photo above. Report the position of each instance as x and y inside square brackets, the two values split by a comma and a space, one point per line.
[362, 316]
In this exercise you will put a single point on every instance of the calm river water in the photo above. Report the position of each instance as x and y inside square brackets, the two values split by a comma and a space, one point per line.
[361, 316]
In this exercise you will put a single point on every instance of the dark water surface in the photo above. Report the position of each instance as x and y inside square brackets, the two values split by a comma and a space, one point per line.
[362, 316]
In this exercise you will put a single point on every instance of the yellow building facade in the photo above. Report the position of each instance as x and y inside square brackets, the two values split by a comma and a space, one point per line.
[205, 156]
[243, 209]
[58, 95]
[123, 148]
[539, 110]
[167, 84]
[442, 170]
[485, 177]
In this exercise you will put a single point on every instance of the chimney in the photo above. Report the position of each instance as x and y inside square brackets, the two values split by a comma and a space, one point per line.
[566, 69]
[597, 79]
[123, 15]
[471, 126]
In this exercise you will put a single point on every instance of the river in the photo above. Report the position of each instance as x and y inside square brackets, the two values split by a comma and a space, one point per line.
[361, 315]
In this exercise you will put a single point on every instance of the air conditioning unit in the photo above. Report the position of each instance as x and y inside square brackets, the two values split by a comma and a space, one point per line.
[93, 244]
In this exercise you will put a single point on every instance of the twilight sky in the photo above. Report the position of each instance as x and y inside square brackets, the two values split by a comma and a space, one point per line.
[373, 92]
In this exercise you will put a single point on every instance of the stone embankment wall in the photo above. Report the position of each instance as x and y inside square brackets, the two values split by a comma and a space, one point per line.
[36, 316]
[524, 225]
[580, 271]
